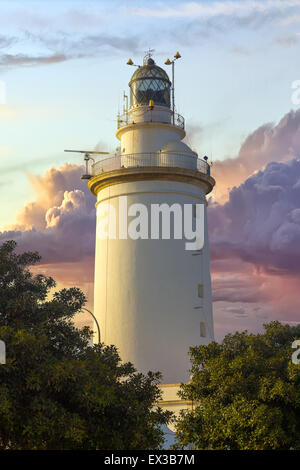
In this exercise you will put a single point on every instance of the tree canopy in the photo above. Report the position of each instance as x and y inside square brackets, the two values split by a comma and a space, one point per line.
[245, 391]
[57, 391]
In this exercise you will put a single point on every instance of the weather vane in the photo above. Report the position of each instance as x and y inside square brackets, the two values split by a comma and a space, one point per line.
[148, 55]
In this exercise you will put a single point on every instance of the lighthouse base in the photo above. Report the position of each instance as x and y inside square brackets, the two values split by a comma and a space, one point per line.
[172, 402]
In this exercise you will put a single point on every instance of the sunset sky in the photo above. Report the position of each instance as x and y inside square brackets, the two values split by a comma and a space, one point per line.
[63, 66]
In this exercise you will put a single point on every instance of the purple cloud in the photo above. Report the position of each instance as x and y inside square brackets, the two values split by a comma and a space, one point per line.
[260, 223]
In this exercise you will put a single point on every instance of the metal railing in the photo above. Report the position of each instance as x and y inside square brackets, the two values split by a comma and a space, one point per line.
[158, 159]
[125, 120]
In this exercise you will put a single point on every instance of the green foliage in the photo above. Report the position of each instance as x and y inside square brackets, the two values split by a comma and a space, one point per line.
[246, 393]
[56, 390]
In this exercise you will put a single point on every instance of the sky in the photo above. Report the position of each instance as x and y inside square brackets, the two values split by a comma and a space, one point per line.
[62, 75]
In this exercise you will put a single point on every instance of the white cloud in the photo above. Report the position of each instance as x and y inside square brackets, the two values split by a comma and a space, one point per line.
[292, 20]
[211, 9]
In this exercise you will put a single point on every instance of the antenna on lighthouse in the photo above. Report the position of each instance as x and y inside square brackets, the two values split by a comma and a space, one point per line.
[125, 103]
[172, 62]
[87, 157]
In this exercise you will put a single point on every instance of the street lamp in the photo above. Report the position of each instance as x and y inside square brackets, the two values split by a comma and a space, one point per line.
[171, 62]
[98, 328]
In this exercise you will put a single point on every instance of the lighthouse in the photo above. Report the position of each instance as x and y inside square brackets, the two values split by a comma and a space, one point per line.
[152, 296]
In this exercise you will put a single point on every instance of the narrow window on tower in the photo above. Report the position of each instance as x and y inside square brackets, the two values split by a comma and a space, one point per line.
[202, 329]
[194, 210]
[200, 290]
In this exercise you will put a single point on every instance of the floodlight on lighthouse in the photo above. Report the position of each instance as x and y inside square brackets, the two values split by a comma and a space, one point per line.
[87, 158]
[130, 62]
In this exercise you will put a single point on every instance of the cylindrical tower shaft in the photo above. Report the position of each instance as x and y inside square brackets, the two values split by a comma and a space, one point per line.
[152, 294]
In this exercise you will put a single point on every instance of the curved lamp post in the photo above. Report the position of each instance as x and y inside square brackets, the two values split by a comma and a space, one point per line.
[98, 327]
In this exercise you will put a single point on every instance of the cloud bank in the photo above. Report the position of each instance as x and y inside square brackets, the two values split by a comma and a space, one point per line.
[255, 250]
[216, 8]
[261, 221]
[61, 223]
[269, 143]
[61, 47]
[59, 31]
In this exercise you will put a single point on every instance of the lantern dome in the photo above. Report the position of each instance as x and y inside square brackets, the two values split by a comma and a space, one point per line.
[150, 82]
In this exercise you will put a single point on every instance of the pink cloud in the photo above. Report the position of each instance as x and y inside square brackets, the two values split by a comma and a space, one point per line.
[61, 223]
[268, 143]
[245, 298]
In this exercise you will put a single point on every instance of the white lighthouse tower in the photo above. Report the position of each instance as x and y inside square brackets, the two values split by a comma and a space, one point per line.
[152, 295]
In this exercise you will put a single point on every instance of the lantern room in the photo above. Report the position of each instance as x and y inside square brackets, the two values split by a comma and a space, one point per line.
[150, 83]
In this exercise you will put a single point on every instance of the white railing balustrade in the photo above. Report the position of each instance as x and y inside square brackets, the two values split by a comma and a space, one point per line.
[158, 159]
